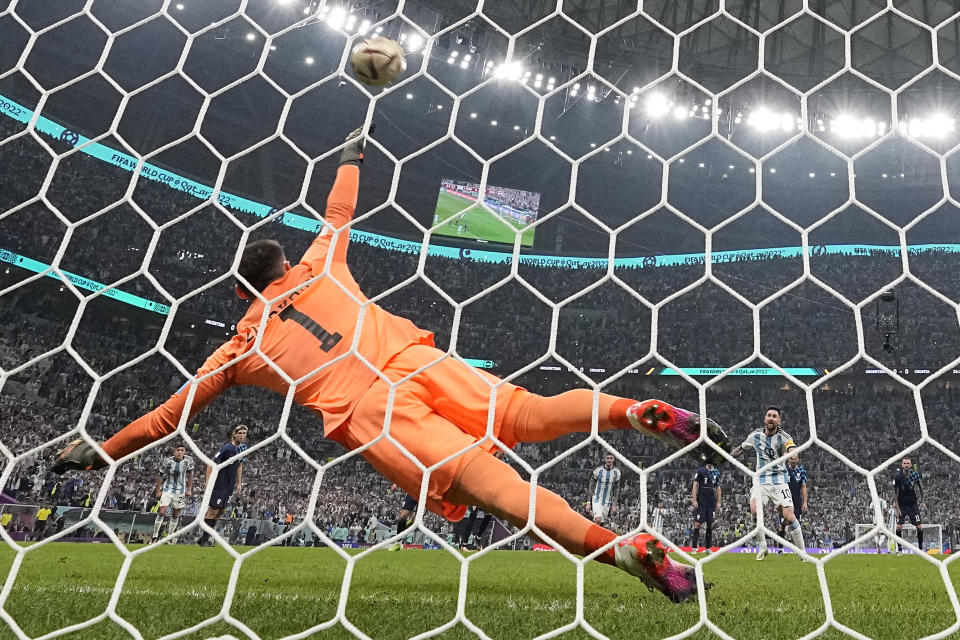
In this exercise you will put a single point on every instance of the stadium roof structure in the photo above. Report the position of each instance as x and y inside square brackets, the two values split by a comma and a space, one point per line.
[299, 43]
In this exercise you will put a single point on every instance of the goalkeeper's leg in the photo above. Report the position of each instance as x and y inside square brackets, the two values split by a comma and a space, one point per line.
[535, 418]
[461, 394]
[463, 471]
[491, 484]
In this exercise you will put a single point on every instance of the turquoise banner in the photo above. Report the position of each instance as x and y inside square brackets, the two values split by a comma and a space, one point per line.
[83, 283]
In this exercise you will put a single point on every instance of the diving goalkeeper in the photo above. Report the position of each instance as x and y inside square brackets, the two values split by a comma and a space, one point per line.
[316, 316]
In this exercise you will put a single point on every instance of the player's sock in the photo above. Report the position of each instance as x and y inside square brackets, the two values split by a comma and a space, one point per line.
[483, 527]
[156, 526]
[899, 534]
[796, 534]
[761, 537]
[401, 524]
[541, 418]
[469, 526]
[212, 523]
[595, 538]
[497, 488]
[709, 538]
[172, 525]
[920, 538]
[696, 538]
[460, 533]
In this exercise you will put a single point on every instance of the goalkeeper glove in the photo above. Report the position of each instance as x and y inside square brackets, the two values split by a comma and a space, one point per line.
[353, 152]
[79, 454]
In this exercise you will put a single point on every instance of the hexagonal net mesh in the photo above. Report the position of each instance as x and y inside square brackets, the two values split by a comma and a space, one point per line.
[683, 171]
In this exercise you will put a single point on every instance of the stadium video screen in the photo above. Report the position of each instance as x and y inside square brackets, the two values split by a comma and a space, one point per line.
[518, 208]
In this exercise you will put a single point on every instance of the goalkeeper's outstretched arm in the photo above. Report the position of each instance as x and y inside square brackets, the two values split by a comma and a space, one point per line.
[341, 203]
[164, 419]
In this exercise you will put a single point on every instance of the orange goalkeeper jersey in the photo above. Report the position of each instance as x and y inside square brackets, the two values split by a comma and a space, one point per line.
[314, 324]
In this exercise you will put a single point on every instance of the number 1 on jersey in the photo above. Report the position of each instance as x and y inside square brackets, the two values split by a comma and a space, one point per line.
[327, 340]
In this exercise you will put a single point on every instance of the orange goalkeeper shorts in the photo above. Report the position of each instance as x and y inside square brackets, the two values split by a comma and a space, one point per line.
[436, 414]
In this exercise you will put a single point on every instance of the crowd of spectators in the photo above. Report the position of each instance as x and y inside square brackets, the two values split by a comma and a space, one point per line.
[517, 199]
[607, 326]
[600, 330]
[860, 422]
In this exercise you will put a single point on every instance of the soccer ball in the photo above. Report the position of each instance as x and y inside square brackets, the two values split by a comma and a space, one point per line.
[378, 61]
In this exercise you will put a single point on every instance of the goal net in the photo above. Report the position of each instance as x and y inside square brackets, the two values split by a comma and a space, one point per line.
[729, 205]
[871, 539]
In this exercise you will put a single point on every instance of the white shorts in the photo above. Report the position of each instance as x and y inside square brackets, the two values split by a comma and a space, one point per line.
[778, 494]
[600, 509]
[175, 500]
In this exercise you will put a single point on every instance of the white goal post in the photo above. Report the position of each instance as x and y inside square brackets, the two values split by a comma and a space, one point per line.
[883, 542]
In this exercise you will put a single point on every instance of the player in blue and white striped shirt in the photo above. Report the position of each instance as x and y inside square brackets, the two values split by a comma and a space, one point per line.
[888, 511]
[604, 490]
[657, 520]
[174, 486]
[772, 483]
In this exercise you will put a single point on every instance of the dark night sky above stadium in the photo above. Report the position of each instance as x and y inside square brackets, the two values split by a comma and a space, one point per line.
[628, 88]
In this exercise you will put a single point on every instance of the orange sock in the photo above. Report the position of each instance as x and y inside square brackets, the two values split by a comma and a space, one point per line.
[497, 488]
[535, 418]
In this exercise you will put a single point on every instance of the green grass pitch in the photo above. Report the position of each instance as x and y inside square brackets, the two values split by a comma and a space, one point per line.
[480, 222]
[511, 594]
